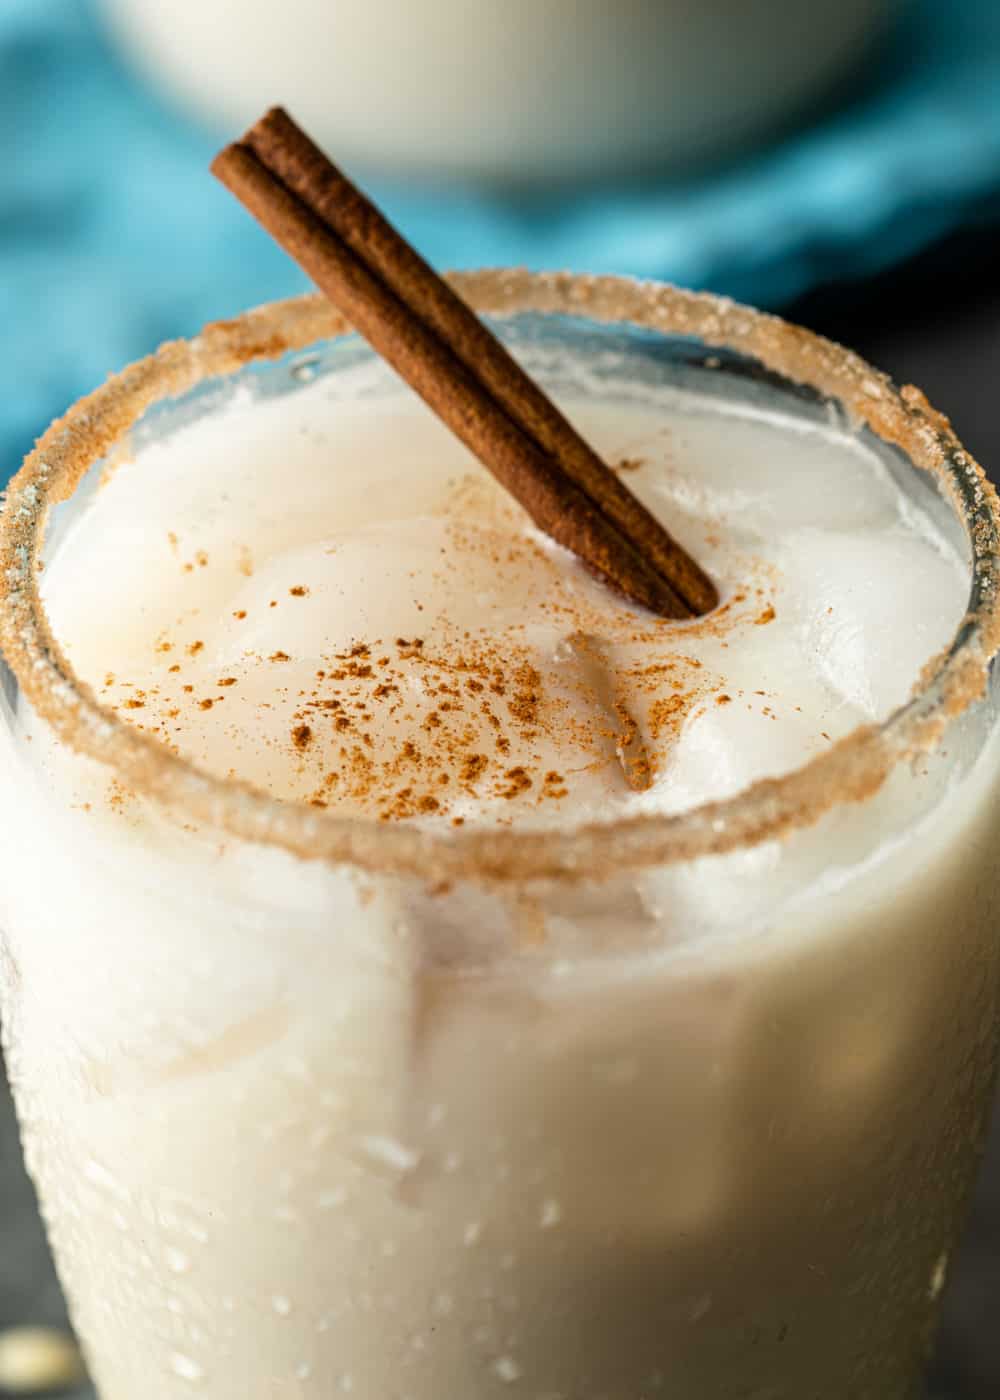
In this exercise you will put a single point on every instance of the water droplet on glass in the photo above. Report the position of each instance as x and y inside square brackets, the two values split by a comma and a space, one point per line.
[304, 371]
[938, 1278]
[187, 1368]
[99, 1175]
[281, 1305]
[347, 1381]
[390, 1152]
[551, 1214]
[303, 1371]
[507, 1369]
[177, 1260]
[473, 1232]
[335, 1196]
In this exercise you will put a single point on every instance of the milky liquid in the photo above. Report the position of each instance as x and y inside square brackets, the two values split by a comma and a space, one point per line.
[335, 602]
[701, 1131]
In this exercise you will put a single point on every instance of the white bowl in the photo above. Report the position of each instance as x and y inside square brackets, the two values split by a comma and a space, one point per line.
[518, 90]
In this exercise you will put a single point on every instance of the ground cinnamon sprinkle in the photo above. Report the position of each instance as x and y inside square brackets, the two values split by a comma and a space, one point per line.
[668, 713]
[518, 782]
[527, 696]
[473, 768]
[413, 727]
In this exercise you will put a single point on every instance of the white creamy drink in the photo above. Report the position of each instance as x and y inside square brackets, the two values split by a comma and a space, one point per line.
[419, 1125]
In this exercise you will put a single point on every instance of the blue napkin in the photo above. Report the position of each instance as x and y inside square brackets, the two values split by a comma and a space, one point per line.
[113, 236]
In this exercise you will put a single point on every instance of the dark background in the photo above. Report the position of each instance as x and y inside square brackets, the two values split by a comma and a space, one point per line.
[935, 322]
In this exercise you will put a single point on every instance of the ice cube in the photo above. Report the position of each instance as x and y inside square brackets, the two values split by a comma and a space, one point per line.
[885, 607]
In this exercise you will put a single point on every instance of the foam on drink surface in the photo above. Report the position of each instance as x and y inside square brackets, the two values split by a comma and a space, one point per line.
[331, 599]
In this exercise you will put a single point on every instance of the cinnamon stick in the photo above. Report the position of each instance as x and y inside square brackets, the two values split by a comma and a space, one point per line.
[442, 349]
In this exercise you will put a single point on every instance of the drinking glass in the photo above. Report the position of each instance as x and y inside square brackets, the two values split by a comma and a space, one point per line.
[684, 1105]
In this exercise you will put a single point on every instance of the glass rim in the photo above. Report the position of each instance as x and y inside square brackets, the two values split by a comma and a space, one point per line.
[851, 770]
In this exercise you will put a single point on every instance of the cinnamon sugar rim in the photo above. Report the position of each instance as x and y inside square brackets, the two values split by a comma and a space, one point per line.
[851, 771]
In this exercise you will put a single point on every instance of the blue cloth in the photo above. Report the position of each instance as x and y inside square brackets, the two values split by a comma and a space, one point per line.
[113, 237]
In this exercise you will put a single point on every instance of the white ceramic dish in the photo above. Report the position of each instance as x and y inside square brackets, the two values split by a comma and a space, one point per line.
[516, 90]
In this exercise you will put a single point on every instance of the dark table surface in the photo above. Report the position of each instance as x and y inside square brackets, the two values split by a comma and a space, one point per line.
[936, 323]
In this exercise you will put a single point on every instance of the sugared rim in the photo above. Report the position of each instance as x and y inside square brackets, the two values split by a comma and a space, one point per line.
[851, 770]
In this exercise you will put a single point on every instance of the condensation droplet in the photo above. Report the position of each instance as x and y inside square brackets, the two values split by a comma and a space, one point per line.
[938, 1278]
[551, 1214]
[281, 1305]
[390, 1152]
[177, 1260]
[473, 1233]
[303, 1371]
[336, 1196]
[304, 371]
[347, 1381]
[444, 1304]
[99, 1175]
[507, 1369]
[186, 1368]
